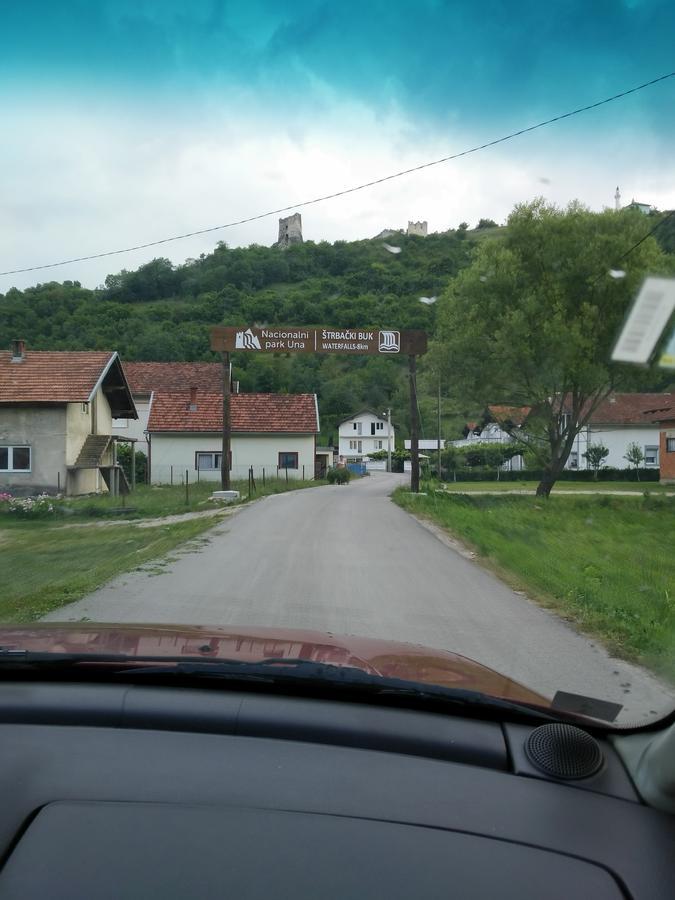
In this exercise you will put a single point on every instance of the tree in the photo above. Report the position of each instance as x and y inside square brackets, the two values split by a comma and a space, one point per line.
[594, 456]
[635, 457]
[486, 223]
[532, 321]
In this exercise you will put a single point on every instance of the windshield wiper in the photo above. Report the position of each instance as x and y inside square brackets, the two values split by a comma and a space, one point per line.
[349, 681]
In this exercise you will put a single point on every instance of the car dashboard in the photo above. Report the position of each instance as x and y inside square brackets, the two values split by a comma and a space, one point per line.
[128, 791]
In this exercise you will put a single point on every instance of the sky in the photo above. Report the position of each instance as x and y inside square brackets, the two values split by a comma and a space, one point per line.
[128, 121]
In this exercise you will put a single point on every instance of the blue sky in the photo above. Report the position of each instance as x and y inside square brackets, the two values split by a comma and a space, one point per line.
[128, 120]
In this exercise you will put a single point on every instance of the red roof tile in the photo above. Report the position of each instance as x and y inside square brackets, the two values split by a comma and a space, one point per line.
[630, 409]
[250, 413]
[51, 376]
[145, 377]
[514, 414]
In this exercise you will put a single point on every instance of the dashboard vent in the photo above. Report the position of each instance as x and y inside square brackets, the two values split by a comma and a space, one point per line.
[563, 751]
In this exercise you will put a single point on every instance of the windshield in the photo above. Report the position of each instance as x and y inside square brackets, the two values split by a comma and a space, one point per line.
[344, 333]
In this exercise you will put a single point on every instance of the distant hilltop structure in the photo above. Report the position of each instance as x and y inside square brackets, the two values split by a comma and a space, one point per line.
[290, 231]
[417, 228]
[645, 208]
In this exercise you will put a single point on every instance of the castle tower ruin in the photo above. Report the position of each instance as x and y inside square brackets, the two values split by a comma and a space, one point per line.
[290, 230]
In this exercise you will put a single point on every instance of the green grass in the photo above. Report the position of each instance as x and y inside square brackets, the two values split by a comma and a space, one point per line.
[149, 501]
[606, 563]
[44, 566]
[653, 487]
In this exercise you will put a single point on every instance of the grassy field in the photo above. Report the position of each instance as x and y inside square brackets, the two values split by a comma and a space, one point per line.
[149, 501]
[45, 566]
[606, 563]
[48, 562]
[638, 487]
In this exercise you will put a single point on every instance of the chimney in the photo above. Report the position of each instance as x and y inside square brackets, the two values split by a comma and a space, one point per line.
[235, 387]
[18, 350]
[193, 400]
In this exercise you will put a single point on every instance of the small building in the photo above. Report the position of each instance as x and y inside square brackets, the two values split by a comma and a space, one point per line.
[664, 417]
[425, 444]
[364, 433]
[271, 432]
[56, 412]
[145, 378]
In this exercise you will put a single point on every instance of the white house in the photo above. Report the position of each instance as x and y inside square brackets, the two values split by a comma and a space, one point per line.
[144, 378]
[425, 444]
[620, 420]
[274, 433]
[363, 433]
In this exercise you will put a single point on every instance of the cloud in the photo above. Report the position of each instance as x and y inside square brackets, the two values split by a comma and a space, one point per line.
[102, 181]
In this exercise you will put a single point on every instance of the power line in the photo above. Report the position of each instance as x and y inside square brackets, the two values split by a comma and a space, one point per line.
[351, 190]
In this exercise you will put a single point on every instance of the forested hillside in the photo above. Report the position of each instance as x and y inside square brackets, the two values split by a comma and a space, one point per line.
[163, 312]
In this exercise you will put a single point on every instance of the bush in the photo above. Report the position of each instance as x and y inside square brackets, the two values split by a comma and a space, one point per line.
[28, 507]
[124, 459]
[338, 476]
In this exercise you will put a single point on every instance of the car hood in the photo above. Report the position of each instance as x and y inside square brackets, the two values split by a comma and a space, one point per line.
[391, 659]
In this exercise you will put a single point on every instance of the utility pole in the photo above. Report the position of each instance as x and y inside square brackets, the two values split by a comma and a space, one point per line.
[438, 438]
[414, 428]
[388, 439]
[225, 454]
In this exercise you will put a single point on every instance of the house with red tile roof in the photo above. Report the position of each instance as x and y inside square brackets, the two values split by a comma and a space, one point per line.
[56, 412]
[271, 432]
[620, 420]
[664, 417]
[145, 378]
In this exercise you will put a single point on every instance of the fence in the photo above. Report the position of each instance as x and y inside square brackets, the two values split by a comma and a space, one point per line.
[168, 474]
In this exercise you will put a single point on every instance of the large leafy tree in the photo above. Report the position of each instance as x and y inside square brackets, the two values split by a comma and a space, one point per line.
[532, 321]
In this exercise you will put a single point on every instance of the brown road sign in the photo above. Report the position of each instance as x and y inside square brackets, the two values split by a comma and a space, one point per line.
[284, 339]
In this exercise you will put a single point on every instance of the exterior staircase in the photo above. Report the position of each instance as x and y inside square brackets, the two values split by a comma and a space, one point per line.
[92, 451]
[91, 456]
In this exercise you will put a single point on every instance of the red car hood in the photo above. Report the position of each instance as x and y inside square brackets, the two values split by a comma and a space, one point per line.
[412, 662]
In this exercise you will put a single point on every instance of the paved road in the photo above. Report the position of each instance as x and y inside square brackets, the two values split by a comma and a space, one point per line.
[345, 559]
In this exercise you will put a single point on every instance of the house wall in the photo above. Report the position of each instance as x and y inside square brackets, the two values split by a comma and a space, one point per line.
[259, 451]
[667, 457]
[347, 433]
[43, 429]
[616, 438]
[135, 428]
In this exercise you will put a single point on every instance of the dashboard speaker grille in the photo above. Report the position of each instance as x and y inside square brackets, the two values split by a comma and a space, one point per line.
[563, 751]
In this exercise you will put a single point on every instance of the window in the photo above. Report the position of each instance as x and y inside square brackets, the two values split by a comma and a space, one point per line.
[15, 459]
[288, 460]
[352, 445]
[356, 445]
[670, 445]
[574, 460]
[372, 427]
[651, 456]
[378, 445]
[358, 426]
[208, 461]
[380, 426]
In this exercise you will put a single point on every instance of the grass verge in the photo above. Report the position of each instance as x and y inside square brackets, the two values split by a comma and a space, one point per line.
[605, 563]
[45, 566]
[560, 487]
[149, 501]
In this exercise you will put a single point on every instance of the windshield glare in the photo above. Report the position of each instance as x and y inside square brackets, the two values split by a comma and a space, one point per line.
[344, 335]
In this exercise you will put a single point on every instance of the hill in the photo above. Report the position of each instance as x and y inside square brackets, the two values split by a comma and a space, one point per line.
[163, 312]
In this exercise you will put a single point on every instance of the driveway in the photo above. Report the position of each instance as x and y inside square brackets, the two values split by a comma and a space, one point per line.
[345, 559]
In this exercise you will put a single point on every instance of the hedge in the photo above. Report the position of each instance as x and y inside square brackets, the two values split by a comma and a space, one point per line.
[607, 474]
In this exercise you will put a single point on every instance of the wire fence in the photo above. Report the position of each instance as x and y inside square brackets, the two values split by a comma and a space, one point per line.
[180, 474]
